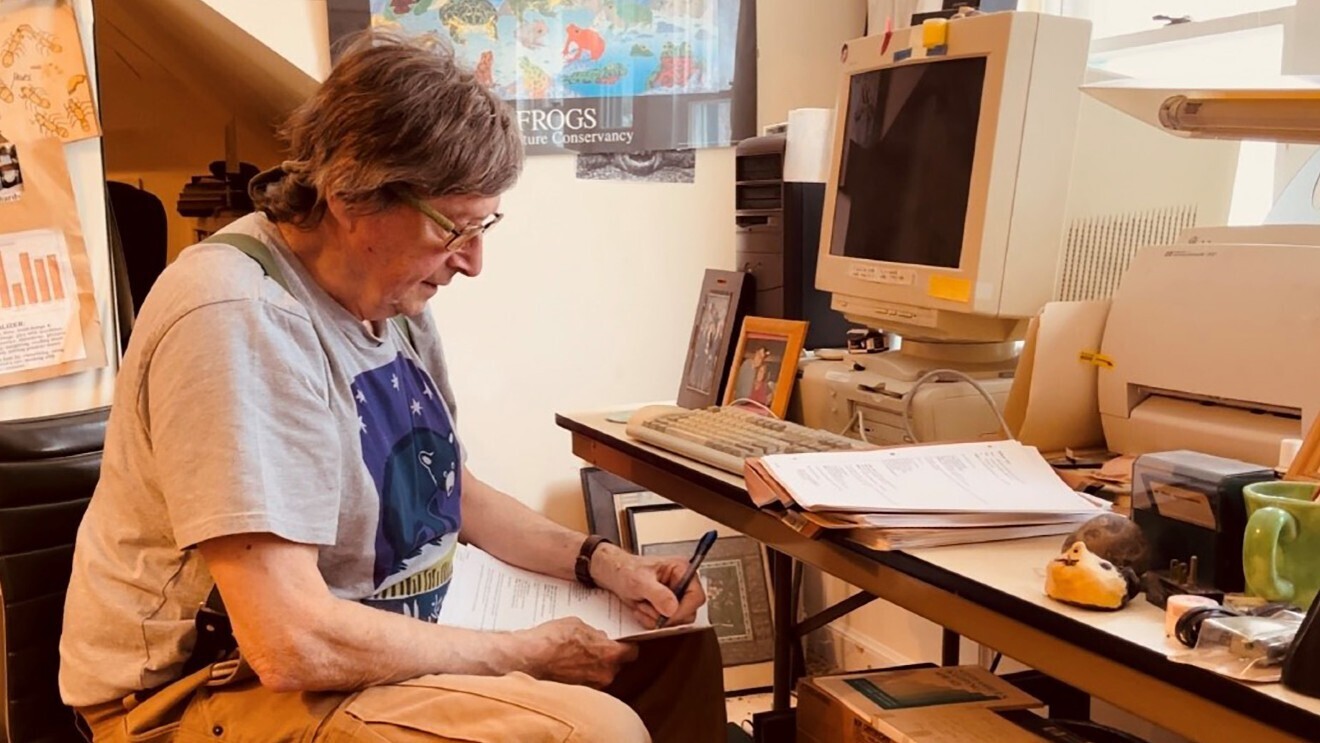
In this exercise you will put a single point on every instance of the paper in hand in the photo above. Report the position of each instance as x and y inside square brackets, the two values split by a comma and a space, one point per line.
[486, 594]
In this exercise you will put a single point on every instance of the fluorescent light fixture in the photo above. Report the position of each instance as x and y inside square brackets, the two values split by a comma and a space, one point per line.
[1277, 120]
[1281, 109]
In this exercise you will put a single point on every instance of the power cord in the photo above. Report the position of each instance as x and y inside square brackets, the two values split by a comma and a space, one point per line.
[753, 403]
[857, 421]
[941, 375]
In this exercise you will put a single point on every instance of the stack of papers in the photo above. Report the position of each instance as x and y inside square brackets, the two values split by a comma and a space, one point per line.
[918, 496]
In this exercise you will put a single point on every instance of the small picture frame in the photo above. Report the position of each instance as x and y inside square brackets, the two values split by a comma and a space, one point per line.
[720, 308]
[765, 364]
[11, 175]
[733, 573]
[607, 499]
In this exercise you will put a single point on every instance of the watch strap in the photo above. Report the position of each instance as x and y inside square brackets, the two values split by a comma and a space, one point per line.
[582, 566]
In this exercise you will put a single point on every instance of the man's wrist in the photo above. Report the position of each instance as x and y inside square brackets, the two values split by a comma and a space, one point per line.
[585, 557]
[604, 564]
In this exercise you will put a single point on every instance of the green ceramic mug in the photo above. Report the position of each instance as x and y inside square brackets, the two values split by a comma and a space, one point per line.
[1281, 550]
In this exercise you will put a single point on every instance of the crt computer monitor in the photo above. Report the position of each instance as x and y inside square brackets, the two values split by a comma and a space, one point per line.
[944, 211]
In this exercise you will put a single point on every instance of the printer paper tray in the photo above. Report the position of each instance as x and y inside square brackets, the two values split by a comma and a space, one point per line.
[1166, 423]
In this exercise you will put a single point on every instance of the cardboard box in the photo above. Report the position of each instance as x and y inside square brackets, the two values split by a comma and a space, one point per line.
[928, 705]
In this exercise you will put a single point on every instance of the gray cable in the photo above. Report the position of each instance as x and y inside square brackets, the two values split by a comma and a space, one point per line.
[937, 375]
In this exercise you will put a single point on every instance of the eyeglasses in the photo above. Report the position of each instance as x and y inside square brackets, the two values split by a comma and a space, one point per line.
[457, 238]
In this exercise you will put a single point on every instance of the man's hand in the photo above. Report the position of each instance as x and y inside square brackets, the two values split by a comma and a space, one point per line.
[647, 584]
[570, 651]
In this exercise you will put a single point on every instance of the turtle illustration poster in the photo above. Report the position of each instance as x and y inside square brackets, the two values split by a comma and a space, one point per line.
[603, 75]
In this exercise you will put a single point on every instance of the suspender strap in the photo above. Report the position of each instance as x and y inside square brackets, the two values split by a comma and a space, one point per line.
[259, 252]
[254, 249]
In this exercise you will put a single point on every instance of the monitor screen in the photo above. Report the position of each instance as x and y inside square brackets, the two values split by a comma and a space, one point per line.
[906, 166]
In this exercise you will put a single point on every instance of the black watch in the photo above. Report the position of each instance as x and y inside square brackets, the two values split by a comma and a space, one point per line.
[582, 567]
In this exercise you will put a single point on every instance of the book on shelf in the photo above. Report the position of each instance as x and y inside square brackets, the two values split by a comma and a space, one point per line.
[926, 705]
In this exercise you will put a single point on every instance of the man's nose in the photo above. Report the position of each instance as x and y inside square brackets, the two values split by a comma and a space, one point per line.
[467, 259]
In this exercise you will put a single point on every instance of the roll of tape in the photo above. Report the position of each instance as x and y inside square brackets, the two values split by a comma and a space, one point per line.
[1178, 605]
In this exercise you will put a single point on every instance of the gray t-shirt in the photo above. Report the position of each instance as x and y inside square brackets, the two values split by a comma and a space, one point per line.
[241, 407]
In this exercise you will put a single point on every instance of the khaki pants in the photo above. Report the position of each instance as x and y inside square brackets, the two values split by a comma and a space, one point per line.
[674, 690]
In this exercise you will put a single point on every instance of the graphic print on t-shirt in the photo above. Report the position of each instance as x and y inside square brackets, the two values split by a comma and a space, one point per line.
[409, 447]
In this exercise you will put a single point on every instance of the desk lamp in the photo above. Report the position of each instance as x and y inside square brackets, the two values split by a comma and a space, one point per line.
[1285, 108]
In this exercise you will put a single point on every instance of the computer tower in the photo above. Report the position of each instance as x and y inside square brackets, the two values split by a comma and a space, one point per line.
[778, 227]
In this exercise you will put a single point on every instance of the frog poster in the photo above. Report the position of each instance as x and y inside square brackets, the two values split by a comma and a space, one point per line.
[602, 75]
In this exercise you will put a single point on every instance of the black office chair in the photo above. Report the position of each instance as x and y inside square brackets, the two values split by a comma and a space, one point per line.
[140, 224]
[48, 470]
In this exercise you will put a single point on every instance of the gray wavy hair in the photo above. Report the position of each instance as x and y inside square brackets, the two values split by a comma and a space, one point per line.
[396, 114]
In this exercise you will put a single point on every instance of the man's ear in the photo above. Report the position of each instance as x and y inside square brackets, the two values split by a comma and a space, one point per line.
[340, 212]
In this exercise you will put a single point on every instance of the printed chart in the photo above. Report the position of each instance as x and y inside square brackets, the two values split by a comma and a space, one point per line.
[38, 303]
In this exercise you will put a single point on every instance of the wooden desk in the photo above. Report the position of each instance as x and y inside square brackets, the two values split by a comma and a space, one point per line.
[990, 593]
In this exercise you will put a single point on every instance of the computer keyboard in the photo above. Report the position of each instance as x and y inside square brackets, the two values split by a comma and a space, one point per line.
[724, 437]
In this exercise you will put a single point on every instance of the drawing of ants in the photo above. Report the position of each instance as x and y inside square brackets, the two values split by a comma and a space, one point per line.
[81, 112]
[50, 125]
[47, 43]
[6, 93]
[33, 96]
[12, 47]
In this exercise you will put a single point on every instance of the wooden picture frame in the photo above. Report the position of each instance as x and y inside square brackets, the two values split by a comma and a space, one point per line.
[1305, 465]
[607, 498]
[765, 363]
[720, 308]
[733, 573]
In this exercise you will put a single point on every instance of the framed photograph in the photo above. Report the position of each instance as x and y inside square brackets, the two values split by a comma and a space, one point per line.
[734, 574]
[11, 176]
[654, 166]
[765, 364]
[607, 498]
[719, 310]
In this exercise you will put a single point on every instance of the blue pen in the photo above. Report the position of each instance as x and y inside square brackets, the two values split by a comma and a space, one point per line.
[703, 546]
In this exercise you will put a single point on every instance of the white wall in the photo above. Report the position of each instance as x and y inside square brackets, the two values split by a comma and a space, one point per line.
[585, 302]
[294, 28]
[798, 59]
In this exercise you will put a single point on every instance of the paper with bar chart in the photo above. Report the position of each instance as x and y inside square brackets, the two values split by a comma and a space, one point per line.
[39, 313]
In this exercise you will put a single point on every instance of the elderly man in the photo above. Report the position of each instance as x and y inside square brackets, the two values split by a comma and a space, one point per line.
[284, 432]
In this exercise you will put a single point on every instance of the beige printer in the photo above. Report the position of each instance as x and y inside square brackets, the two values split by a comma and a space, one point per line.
[1214, 347]
[1213, 344]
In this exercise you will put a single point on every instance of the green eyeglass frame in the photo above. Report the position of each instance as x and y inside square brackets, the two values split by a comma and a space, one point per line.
[457, 238]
